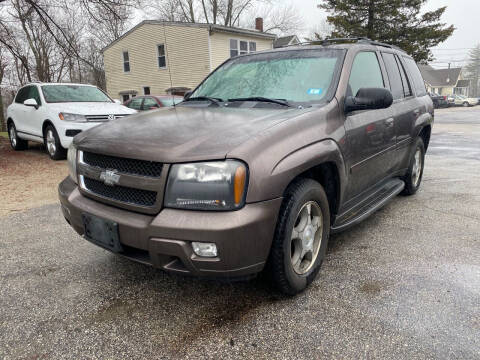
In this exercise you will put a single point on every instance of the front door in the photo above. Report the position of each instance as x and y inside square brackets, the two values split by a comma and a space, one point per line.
[370, 133]
[32, 116]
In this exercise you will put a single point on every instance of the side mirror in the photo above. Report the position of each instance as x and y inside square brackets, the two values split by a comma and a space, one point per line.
[116, 101]
[31, 102]
[369, 99]
[187, 94]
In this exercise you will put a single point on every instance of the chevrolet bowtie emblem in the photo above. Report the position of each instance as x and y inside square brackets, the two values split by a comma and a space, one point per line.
[109, 177]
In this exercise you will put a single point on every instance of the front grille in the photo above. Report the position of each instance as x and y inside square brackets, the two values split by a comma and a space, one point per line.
[121, 193]
[95, 118]
[127, 166]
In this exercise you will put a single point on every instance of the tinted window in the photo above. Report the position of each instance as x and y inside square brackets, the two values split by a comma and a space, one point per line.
[22, 94]
[416, 77]
[393, 75]
[407, 90]
[149, 103]
[136, 103]
[365, 73]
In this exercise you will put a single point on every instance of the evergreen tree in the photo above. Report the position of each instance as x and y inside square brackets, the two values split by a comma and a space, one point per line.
[396, 22]
[472, 71]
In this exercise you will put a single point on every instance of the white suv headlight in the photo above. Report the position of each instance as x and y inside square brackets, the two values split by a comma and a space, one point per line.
[72, 162]
[72, 117]
[216, 185]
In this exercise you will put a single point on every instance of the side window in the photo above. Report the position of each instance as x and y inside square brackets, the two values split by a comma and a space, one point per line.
[394, 76]
[126, 62]
[162, 57]
[416, 76]
[22, 95]
[149, 103]
[407, 90]
[135, 103]
[33, 94]
[365, 73]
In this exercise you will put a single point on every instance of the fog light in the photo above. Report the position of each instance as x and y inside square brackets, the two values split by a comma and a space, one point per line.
[205, 249]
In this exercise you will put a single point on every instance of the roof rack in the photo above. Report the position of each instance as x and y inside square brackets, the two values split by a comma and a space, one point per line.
[361, 40]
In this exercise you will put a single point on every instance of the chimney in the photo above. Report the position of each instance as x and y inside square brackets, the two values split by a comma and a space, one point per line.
[259, 24]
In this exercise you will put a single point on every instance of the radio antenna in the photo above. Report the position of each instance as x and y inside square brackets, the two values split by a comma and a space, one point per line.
[168, 63]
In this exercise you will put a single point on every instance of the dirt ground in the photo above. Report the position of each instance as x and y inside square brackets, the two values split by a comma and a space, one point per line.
[28, 178]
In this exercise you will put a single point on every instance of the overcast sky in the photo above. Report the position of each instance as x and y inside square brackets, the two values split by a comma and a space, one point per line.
[463, 14]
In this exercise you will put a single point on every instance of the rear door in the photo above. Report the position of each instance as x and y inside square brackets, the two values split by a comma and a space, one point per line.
[403, 107]
[17, 109]
[370, 133]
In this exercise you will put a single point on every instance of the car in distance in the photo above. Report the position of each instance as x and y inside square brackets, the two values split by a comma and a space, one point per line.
[152, 102]
[462, 100]
[438, 100]
[271, 153]
[53, 113]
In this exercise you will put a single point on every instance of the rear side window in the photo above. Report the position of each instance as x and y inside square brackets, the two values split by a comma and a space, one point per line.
[135, 103]
[149, 103]
[365, 73]
[394, 76]
[406, 84]
[416, 77]
[22, 94]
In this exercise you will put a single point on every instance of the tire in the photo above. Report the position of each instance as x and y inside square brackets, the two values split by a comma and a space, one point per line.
[289, 272]
[53, 145]
[413, 177]
[466, 104]
[16, 143]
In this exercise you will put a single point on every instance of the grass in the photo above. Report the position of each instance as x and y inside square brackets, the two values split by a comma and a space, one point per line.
[4, 134]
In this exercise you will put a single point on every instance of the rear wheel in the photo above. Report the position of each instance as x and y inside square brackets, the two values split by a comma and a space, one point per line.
[301, 236]
[53, 145]
[16, 143]
[466, 104]
[414, 175]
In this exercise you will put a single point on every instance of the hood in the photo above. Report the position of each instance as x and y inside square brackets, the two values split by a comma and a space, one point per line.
[91, 108]
[180, 134]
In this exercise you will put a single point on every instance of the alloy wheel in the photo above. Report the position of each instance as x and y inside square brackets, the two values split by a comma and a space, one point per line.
[13, 136]
[417, 167]
[51, 147]
[306, 237]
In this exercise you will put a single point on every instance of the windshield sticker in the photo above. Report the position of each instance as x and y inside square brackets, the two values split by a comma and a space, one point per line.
[314, 91]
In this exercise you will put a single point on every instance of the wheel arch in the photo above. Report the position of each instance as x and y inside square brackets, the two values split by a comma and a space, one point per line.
[45, 124]
[322, 162]
[10, 121]
[425, 134]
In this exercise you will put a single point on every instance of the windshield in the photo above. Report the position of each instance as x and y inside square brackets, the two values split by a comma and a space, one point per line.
[73, 93]
[297, 76]
[170, 101]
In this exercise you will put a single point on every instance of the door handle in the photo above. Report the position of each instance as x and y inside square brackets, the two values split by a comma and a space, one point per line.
[389, 122]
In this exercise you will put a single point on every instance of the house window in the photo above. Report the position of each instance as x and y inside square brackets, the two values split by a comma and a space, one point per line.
[146, 90]
[125, 97]
[241, 47]
[126, 62]
[162, 58]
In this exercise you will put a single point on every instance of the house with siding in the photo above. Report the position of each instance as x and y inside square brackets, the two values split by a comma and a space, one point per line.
[156, 56]
[445, 81]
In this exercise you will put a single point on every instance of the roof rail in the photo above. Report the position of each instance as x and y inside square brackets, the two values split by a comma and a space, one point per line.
[361, 40]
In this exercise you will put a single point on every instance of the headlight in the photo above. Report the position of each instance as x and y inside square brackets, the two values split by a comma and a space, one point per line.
[72, 162]
[216, 185]
[72, 117]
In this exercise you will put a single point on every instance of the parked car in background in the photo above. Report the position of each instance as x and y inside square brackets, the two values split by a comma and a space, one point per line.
[151, 102]
[438, 100]
[53, 114]
[461, 100]
[258, 165]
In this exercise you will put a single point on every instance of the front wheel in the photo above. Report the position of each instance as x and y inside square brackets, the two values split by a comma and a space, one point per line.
[301, 236]
[53, 145]
[414, 175]
[16, 143]
[466, 104]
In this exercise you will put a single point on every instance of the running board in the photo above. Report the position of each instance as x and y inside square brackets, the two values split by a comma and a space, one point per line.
[380, 199]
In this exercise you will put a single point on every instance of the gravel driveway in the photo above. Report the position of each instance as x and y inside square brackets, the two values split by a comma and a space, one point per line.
[403, 284]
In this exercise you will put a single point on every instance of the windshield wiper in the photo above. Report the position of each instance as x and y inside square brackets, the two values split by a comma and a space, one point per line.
[213, 100]
[262, 99]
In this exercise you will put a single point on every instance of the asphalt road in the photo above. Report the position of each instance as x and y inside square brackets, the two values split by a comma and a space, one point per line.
[403, 284]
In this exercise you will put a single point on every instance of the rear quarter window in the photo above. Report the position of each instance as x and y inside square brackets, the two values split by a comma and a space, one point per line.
[416, 76]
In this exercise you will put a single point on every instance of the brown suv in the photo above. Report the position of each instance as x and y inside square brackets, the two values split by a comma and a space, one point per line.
[270, 154]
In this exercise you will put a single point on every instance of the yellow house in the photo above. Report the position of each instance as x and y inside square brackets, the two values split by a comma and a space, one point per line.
[156, 56]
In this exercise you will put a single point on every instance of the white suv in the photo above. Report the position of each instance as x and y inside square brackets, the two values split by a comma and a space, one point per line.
[54, 113]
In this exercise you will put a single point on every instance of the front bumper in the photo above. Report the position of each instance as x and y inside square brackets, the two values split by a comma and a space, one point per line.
[243, 237]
